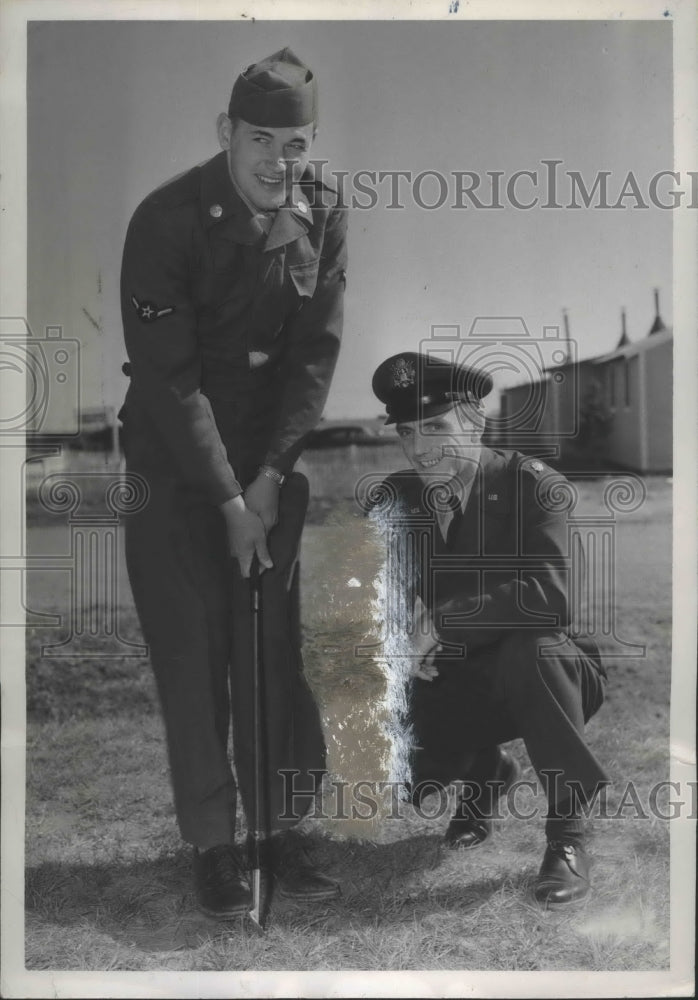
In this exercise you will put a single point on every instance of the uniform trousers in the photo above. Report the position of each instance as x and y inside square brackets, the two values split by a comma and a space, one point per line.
[194, 608]
[537, 686]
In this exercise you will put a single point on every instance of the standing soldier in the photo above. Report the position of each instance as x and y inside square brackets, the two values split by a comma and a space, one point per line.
[232, 294]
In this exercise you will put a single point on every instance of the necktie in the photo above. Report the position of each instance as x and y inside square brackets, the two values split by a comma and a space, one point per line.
[263, 221]
[454, 526]
[449, 501]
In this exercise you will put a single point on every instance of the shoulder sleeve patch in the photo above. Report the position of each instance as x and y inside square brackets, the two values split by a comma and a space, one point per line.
[148, 312]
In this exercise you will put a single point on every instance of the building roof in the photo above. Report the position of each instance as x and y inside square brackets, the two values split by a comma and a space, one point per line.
[633, 347]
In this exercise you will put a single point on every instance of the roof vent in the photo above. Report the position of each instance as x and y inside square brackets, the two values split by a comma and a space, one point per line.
[658, 326]
[624, 339]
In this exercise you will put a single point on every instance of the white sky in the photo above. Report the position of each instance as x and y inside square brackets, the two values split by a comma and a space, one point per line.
[116, 108]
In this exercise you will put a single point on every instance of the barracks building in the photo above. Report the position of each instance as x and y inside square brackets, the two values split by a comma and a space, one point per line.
[610, 411]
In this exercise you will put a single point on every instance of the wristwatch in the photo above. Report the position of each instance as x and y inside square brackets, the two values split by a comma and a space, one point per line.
[276, 477]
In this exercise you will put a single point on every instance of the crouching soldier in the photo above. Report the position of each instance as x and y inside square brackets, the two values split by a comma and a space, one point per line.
[493, 657]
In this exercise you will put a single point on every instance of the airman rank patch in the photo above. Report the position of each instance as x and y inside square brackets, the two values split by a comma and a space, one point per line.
[148, 312]
[536, 467]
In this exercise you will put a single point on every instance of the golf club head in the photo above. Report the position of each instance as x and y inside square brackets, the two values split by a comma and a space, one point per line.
[256, 915]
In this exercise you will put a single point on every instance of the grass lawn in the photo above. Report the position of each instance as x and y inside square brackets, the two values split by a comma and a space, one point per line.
[109, 883]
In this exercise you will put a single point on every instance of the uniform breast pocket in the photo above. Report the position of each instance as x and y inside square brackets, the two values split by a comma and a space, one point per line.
[304, 277]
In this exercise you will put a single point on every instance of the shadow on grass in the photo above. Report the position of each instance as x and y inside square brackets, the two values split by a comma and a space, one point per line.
[151, 904]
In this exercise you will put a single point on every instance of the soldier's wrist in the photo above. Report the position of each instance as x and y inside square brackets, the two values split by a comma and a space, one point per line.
[234, 507]
[272, 474]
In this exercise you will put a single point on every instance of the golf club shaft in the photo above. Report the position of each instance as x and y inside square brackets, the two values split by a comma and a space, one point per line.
[255, 595]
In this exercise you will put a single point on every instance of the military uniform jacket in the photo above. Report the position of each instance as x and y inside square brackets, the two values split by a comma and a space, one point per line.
[202, 291]
[505, 563]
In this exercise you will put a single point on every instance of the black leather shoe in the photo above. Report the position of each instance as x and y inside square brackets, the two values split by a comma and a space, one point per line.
[467, 831]
[563, 876]
[286, 859]
[221, 886]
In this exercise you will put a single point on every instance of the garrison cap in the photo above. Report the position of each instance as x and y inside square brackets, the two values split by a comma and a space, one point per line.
[279, 92]
[416, 386]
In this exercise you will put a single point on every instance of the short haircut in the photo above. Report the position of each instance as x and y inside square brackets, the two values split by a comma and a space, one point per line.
[473, 411]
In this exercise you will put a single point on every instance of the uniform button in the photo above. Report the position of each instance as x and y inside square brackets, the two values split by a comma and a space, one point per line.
[302, 207]
[216, 211]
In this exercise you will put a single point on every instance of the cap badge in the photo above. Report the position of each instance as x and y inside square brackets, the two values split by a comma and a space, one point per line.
[215, 211]
[302, 207]
[404, 373]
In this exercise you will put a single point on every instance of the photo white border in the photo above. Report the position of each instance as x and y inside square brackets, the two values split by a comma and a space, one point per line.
[678, 981]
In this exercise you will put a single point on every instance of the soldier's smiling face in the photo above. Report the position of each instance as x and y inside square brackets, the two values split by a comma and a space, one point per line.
[447, 445]
[265, 161]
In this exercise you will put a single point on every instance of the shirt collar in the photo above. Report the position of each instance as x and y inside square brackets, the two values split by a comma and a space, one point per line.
[291, 221]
